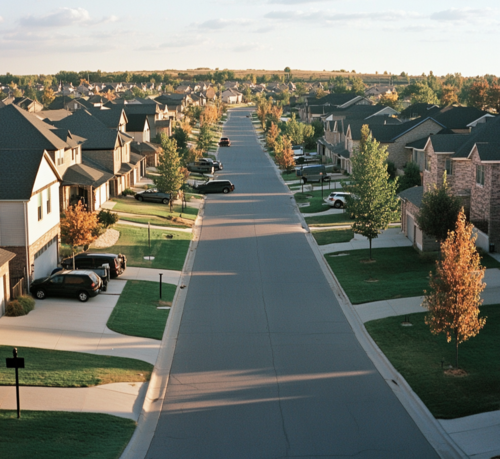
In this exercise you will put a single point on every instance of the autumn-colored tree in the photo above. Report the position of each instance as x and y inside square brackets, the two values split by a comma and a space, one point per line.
[48, 96]
[78, 227]
[478, 95]
[390, 99]
[110, 95]
[494, 97]
[449, 95]
[210, 114]
[275, 114]
[287, 160]
[454, 297]
[272, 135]
[263, 108]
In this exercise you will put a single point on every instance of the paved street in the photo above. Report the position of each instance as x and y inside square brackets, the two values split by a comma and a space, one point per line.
[266, 364]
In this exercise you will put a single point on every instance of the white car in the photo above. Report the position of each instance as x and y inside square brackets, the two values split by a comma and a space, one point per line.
[337, 199]
[297, 150]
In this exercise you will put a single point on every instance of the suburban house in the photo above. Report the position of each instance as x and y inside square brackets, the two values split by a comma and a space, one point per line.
[5, 258]
[378, 91]
[231, 96]
[314, 108]
[472, 165]
[25, 103]
[29, 212]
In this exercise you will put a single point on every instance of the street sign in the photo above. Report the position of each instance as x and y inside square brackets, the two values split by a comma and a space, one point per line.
[16, 362]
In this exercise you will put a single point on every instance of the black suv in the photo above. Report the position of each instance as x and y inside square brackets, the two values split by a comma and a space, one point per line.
[80, 284]
[117, 263]
[215, 186]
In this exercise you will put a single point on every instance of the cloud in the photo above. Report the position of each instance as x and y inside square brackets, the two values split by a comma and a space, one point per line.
[462, 14]
[183, 42]
[65, 17]
[218, 24]
[1, 19]
[247, 47]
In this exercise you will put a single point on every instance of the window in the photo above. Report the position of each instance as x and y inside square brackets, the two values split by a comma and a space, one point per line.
[448, 167]
[48, 201]
[480, 175]
[40, 206]
[73, 154]
[427, 163]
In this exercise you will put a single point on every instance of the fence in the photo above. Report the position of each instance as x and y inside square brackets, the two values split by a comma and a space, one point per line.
[17, 287]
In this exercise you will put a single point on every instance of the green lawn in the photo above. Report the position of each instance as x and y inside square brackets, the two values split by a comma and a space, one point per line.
[332, 236]
[132, 206]
[56, 434]
[158, 221]
[398, 272]
[168, 253]
[49, 368]
[317, 203]
[417, 354]
[330, 220]
[289, 176]
[136, 312]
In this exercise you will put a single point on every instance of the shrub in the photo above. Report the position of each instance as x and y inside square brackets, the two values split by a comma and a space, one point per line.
[128, 192]
[107, 218]
[27, 302]
[411, 177]
[14, 309]
[391, 170]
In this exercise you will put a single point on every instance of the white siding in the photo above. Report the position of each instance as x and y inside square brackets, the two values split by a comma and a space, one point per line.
[44, 177]
[37, 228]
[12, 224]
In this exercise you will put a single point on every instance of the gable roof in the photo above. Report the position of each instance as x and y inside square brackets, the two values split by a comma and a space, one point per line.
[459, 117]
[136, 122]
[22, 130]
[109, 116]
[334, 99]
[414, 195]
[86, 174]
[143, 109]
[5, 256]
[419, 109]
[18, 172]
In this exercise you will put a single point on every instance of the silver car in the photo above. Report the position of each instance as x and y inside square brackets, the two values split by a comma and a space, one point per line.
[337, 199]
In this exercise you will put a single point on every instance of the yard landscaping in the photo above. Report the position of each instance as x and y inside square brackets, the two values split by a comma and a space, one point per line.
[398, 272]
[169, 253]
[333, 236]
[55, 434]
[132, 206]
[316, 202]
[49, 368]
[157, 221]
[417, 354]
[136, 312]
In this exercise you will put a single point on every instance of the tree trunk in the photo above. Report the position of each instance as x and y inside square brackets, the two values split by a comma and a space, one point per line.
[370, 239]
[73, 250]
[456, 349]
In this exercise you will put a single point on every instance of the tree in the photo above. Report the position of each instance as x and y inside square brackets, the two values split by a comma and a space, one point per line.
[411, 178]
[478, 95]
[373, 202]
[272, 135]
[421, 93]
[287, 70]
[171, 177]
[438, 212]
[454, 297]
[48, 96]
[287, 161]
[107, 218]
[390, 100]
[181, 137]
[357, 85]
[449, 95]
[78, 227]
[204, 138]
[494, 97]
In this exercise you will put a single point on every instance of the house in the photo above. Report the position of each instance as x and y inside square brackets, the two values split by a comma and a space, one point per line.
[231, 96]
[378, 91]
[472, 165]
[316, 108]
[5, 258]
[67, 103]
[29, 211]
[25, 103]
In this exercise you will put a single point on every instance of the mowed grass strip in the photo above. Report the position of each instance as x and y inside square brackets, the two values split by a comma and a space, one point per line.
[158, 221]
[333, 236]
[56, 434]
[340, 219]
[49, 368]
[417, 354]
[398, 272]
[168, 253]
[136, 312]
[316, 202]
[132, 206]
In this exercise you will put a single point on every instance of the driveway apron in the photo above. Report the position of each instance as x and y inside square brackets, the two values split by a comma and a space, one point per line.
[266, 364]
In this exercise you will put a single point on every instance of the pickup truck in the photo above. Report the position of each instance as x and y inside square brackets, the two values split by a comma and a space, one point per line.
[201, 166]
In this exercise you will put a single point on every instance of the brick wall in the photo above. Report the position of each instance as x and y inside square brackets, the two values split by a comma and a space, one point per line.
[494, 223]
[18, 263]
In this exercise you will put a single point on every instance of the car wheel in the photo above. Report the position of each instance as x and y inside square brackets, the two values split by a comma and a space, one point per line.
[40, 294]
[164, 201]
[338, 204]
[225, 190]
[140, 198]
[83, 296]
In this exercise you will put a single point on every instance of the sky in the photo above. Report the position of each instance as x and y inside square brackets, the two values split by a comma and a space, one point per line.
[45, 36]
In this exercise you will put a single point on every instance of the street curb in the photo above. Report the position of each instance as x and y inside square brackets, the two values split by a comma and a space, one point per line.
[430, 427]
[139, 444]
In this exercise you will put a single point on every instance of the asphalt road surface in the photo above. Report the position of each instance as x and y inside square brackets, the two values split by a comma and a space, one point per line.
[266, 364]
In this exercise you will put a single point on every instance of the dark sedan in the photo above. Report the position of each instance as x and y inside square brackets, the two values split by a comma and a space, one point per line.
[215, 186]
[224, 142]
[153, 195]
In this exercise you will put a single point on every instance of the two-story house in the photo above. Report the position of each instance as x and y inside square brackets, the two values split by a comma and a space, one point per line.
[29, 211]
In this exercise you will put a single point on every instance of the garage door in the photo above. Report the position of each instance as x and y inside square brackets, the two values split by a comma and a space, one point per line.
[46, 259]
[410, 227]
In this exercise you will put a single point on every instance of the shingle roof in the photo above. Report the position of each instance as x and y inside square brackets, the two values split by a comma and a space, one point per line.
[420, 109]
[5, 256]
[448, 143]
[143, 109]
[109, 116]
[458, 117]
[488, 132]
[83, 124]
[136, 122]
[23, 130]
[489, 151]
[414, 195]
[334, 99]
[144, 147]
[418, 144]
[18, 173]
[84, 174]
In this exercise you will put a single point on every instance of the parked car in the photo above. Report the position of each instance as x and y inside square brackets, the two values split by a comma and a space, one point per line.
[297, 150]
[117, 263]
[214, 186]
[153, 195]
[304, 159]
[78, 284]
[337, 199]
[201, 167]
[316, 173]
[224, 142]
[217, 165]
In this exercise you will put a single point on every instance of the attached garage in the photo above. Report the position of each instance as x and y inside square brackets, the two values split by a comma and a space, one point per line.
[46, 259]
[5, 257]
